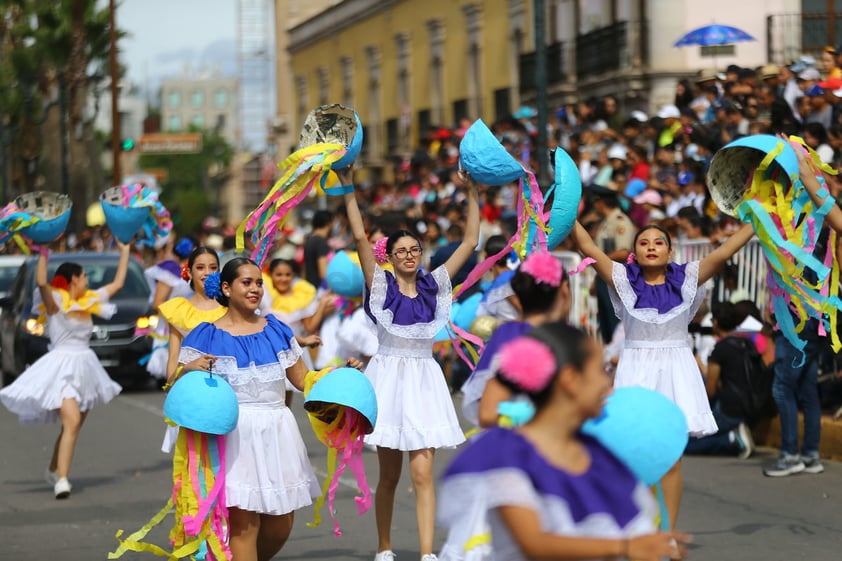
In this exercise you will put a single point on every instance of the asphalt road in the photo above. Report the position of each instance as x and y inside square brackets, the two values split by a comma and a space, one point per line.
[121, 479]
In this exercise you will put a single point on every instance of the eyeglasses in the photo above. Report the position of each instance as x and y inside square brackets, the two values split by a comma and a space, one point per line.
[402, 253]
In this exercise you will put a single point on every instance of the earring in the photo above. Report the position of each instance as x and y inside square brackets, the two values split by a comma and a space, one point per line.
[227, 294]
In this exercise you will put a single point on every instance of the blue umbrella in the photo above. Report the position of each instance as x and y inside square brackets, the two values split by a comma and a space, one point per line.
[713, 34]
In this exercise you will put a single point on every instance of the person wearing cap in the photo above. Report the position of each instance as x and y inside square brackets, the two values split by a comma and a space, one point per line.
[821, 111]
[611, 161]
[669, 114]
[807, 78]
[829, 66]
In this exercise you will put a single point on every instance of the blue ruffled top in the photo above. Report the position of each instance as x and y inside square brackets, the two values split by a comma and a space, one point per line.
[662, 297]
[257, 348]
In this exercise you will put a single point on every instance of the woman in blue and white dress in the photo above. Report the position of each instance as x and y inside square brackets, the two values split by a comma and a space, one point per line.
[545, 490]
[267, 473]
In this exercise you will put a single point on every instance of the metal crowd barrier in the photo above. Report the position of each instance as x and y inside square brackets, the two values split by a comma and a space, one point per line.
[751, 278]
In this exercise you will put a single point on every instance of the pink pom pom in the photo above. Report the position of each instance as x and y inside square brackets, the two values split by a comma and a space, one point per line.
[380, 250]
[632, 258]
[543, 267]
[527, 363]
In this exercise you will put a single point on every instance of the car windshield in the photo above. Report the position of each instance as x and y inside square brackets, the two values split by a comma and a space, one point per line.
[7, 276]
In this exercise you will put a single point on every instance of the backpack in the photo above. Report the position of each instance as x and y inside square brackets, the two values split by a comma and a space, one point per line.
[747, 394]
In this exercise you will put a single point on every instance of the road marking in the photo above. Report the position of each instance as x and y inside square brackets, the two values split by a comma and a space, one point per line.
[140, 404]
[348, 482]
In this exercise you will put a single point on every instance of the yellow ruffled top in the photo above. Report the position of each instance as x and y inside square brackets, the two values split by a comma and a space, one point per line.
[184, 316]
[300, 295]
[92, 301]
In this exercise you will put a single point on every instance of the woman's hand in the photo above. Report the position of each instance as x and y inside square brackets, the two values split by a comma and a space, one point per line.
[309, 340]
[345, 175]
[204, 363]
[327, 303]
[654, 547]
[354, 363]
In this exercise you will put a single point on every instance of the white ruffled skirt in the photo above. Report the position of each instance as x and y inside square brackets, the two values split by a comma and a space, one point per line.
[267, 468]
[414, 406]
[62, 373]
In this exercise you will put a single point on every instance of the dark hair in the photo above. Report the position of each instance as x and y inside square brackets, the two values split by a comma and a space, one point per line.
[322, 218]
[494, 245]
[653, 227]
[201, 250]
[569, 346]
[534, 297]
[816, 130]
[69, 270]
[395, 236]
[229, 275]
[726, 315]
[296, 270]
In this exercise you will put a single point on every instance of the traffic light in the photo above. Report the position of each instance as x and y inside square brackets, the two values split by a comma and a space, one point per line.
[127, 145]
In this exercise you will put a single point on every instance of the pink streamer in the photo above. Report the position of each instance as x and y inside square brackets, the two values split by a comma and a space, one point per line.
[351, 448]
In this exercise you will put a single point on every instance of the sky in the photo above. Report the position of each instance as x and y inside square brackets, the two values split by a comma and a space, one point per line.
[167, 36]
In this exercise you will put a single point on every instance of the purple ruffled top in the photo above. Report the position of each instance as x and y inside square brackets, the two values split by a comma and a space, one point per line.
[662, 297]
[407, 310]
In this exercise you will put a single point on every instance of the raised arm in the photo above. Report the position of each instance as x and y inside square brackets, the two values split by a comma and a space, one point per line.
[713, 262]
[811, 183]
[122, 267]
[604, 266]
[44, 286]
[469, 243]
[355, 219]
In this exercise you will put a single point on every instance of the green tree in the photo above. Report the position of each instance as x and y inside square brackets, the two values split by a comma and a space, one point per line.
[189, 191]
[50, 54]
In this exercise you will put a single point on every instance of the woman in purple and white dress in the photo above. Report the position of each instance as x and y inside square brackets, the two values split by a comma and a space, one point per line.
[545, 490]
[415, 410]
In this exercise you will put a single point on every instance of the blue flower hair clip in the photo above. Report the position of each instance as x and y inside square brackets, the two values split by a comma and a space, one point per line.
[213, 284]
[184, 247]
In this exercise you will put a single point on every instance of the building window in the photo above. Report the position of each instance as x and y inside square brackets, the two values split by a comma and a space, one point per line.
[460, 110]
[324, 86]
[198, 121]
[347, 80]
[393, 137]
[425, 123]
[220, 98]
[301, 96]
[198, 98]
[436, 36]
[174, 123]
[502, 103]
[175, 99]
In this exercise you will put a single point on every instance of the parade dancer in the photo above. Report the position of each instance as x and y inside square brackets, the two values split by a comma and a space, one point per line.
[66, 382]
[415, 410]
[655, 299]
[546, 490]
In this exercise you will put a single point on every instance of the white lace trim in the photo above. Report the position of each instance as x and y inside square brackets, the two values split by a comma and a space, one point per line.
[624, 297]
[226, 366]
[385, 317]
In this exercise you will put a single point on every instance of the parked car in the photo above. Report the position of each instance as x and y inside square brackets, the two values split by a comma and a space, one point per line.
[9, 266]
[23, 340]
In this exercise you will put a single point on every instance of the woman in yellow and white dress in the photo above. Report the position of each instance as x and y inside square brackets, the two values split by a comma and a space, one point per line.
[184, 314]
[66, 382]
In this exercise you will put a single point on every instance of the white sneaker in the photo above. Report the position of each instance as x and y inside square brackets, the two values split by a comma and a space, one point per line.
[429, 557]
[50, 476]
[385, 556]
[62, 488]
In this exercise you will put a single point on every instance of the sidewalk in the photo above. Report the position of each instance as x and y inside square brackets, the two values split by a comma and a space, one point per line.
[830, 446]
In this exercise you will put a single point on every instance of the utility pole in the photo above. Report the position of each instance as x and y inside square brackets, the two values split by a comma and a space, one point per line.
[116, 137]
[541, 93]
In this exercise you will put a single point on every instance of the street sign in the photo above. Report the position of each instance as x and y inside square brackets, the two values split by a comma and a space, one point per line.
[171, 143]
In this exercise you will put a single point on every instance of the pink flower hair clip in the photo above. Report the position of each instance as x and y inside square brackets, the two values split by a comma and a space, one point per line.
[632, 258]
[380, 250]
[543, 267]
[528, 363]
